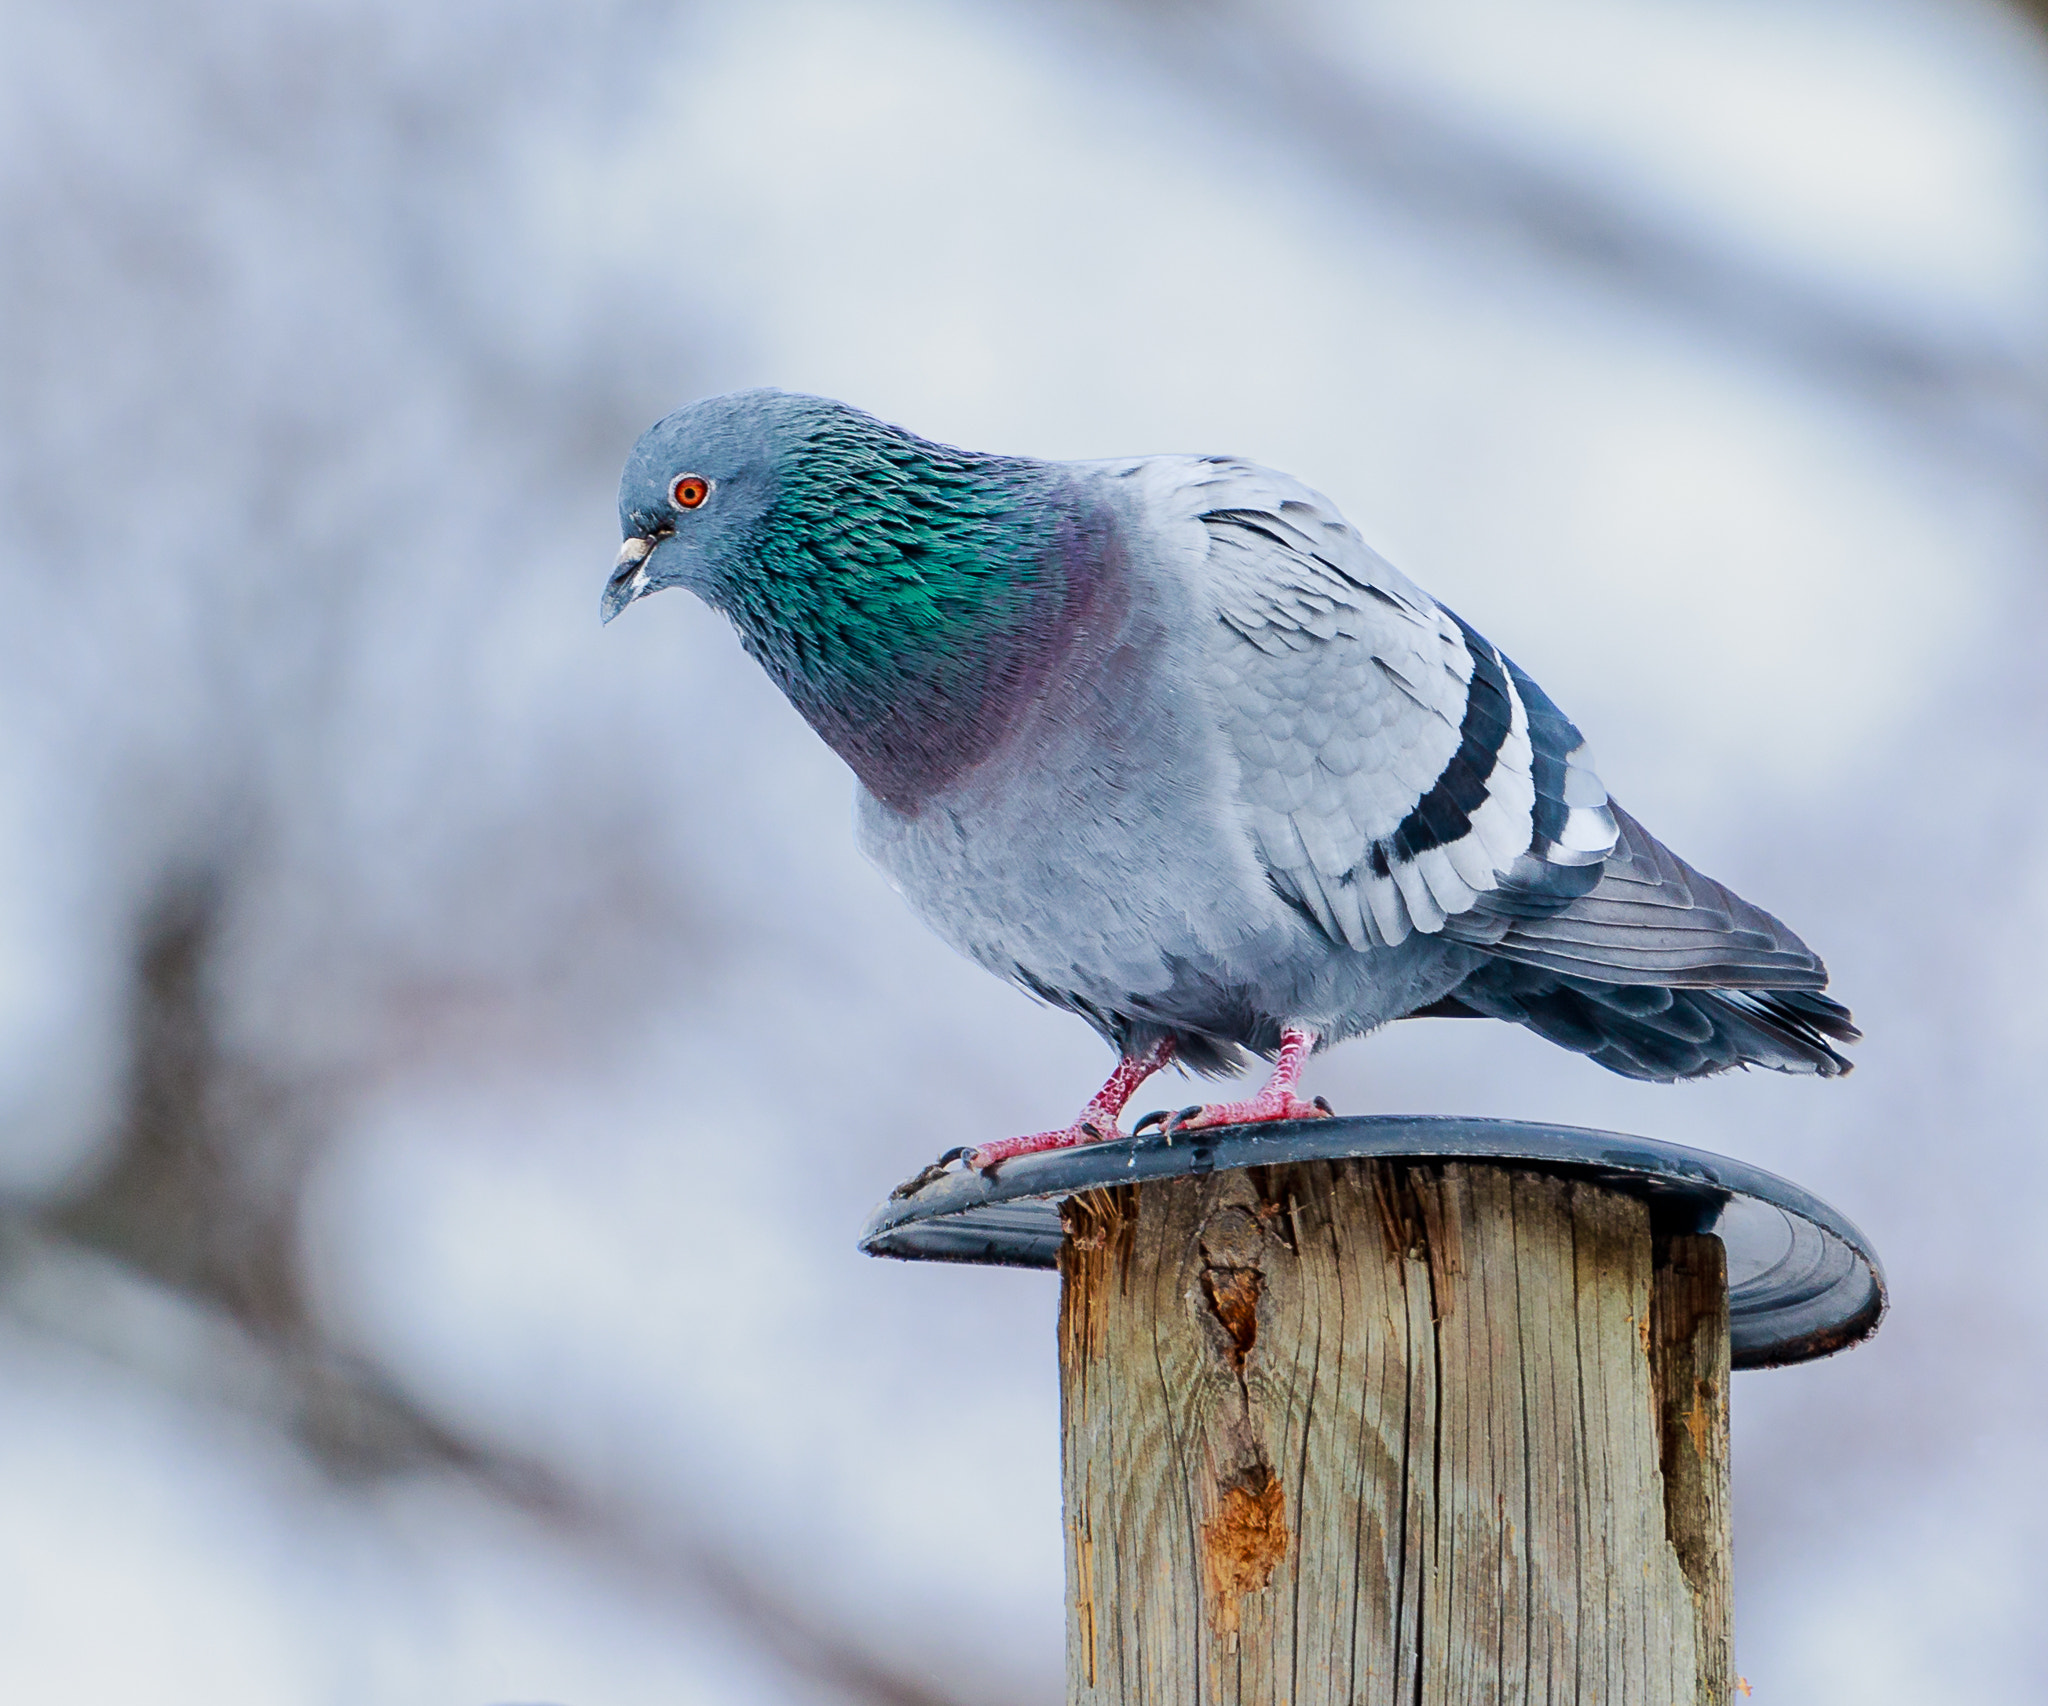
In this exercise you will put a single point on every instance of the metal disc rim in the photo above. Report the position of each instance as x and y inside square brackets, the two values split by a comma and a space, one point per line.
[1825, 1293]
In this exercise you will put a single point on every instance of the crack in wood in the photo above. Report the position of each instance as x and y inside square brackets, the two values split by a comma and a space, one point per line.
[1688, 1318]
[1234, 1296]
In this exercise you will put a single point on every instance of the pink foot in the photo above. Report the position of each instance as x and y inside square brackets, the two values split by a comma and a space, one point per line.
[1277, 1101]
[1097, 1123]
[987, 1155]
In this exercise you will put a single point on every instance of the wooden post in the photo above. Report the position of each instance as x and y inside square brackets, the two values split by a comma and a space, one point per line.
[1392, 1432]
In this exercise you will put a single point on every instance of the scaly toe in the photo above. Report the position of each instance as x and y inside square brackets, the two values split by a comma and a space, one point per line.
[987, 1157]
[925, 1176]
[1258, 1111]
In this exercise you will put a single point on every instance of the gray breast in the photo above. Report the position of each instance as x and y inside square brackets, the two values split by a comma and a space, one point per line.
[1103, 858]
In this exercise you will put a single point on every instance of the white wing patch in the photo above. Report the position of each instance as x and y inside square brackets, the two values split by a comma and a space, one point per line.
[1388, 767]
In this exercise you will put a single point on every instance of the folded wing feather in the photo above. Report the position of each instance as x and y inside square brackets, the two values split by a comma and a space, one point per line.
[1401, 774]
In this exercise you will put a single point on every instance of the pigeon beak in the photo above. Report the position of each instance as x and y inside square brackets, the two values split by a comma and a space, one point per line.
[629, 576]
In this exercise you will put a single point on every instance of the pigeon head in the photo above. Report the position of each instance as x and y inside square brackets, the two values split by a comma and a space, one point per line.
[906, 596]
[695, 491]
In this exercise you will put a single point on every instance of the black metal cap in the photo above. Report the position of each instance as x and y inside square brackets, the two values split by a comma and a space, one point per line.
[1803, 1282]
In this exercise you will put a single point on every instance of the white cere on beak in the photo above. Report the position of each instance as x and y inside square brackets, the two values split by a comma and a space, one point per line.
[633, 555]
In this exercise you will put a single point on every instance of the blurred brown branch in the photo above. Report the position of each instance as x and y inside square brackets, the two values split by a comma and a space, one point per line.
[2034, 11]
[201, 1198]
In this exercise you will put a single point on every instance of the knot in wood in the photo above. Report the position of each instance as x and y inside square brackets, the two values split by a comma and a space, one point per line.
[1233, 1238]
[1233, 1245]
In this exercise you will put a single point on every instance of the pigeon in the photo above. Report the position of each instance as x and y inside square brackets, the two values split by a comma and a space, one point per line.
[1163, 742]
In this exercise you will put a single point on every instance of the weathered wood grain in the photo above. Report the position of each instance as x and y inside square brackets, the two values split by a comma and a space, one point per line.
[1371, 1432]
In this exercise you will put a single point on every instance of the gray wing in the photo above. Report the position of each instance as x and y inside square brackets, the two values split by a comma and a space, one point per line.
[1400, 774]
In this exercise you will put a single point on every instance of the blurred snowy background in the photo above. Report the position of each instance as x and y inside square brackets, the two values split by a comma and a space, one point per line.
[447, 1051]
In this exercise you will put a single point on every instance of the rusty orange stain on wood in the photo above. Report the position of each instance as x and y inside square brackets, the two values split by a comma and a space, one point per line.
[1242, 1545]
[1699, 1418]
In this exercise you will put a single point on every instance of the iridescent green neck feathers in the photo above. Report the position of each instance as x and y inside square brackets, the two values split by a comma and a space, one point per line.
[906, 596]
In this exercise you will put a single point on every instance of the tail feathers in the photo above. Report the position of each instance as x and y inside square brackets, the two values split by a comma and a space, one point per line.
[1653, 1032]
[1786, 1030]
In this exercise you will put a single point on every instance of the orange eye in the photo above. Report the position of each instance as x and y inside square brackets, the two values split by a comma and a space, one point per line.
[689, 490]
